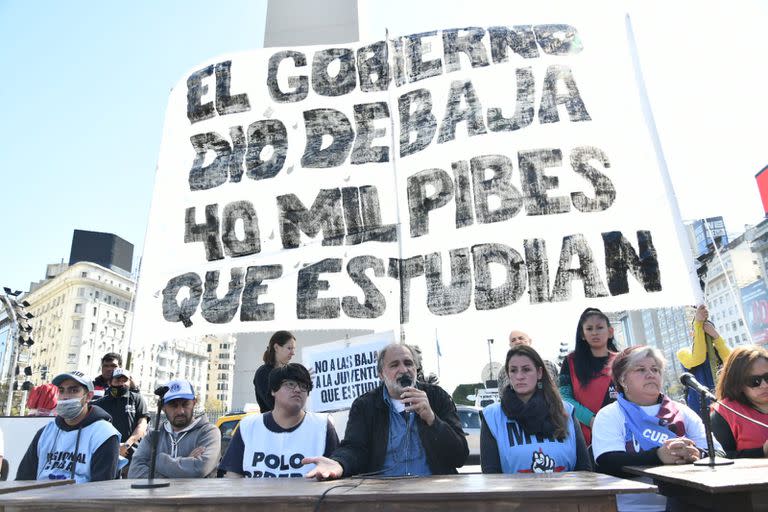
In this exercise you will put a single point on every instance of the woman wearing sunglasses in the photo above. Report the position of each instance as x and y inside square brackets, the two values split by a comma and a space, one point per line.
[743, 387]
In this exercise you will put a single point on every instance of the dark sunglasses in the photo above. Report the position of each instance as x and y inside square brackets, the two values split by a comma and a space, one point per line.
[754, 380]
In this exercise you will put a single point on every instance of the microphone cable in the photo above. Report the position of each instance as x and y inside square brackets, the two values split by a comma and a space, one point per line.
[737, 413]
[322, 496]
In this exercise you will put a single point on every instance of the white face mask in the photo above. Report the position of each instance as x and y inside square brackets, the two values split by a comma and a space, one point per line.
[70, 408]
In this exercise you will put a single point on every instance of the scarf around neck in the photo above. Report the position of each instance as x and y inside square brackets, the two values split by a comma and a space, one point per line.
[649, 432]
[533, 415]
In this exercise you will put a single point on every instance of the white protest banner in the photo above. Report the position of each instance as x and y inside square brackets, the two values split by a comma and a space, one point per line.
[18, 432]
[344, 370]
[457, 176]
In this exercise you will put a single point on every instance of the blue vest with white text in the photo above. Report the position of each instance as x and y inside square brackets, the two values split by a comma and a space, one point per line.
[56, 450]
[520, 452]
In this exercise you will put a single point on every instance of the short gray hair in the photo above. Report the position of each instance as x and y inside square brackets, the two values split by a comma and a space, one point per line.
[629, 358]
[383, 352]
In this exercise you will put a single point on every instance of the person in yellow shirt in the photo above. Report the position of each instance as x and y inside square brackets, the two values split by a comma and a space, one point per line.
[704, 357]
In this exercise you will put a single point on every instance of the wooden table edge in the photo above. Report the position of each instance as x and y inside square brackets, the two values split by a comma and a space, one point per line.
[682, 482]
[34, 485]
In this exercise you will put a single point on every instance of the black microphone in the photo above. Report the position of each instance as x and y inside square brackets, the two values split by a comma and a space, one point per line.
[690, 381]
[151, 483]
[405, 381]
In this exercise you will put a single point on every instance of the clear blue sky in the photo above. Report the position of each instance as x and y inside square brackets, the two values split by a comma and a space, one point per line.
[84, 90]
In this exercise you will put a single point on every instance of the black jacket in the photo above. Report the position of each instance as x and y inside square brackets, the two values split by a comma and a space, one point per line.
[365, 441]
[126, 411]
[261, 385]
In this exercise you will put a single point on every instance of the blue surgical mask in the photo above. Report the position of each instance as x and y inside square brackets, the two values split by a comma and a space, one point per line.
[70, 408]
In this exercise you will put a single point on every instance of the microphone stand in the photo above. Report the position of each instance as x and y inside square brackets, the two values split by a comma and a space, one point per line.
[711, 461]
[151, 483]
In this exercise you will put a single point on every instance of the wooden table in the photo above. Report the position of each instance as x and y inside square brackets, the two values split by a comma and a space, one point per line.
[742, 486]
[555, 491]
[26, 485]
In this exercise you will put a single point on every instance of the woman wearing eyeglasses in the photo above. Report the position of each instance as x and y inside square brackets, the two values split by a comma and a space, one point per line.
[743, 387]
[644, 427]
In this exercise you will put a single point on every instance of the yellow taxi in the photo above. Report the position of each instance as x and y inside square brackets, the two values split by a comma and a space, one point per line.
[227, 425]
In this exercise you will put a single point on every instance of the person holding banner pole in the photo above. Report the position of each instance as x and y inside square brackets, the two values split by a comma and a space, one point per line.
[403, 427]
[280, 351]
[585, 377]
[705, 356]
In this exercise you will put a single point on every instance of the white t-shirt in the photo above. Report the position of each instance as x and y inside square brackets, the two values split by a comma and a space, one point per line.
[609, 435]
[2, 444]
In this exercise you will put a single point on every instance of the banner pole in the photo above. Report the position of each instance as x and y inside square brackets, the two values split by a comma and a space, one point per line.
[393, 158]
[662, 163]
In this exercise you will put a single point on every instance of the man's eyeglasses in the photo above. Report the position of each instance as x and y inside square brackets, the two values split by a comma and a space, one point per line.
[293, 386]
[754, 381]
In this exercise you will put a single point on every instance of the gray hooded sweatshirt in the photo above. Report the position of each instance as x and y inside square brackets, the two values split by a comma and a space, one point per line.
[173, 449]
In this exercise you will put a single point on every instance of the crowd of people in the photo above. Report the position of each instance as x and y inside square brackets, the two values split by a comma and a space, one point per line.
[604, 410]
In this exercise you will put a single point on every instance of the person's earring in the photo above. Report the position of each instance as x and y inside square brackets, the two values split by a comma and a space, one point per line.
[539, 385]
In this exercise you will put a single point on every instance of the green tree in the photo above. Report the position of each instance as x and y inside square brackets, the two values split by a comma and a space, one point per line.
[462, 391]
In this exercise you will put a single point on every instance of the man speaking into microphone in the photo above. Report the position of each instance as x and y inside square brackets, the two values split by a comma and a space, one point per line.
[399, 428]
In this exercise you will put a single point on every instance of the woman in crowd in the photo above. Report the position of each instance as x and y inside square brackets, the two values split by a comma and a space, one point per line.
[532, 430]
[644, 427]
[280, 351]
[585, 379]
[743, 387]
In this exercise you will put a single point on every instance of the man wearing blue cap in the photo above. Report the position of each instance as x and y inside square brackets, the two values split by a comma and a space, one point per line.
[188, 447]
[80, 444]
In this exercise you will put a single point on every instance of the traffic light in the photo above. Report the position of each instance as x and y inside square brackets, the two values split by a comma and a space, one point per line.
[18, 309]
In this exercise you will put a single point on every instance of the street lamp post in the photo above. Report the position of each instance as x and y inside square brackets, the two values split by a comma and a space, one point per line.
[19, 335]
[12, 341]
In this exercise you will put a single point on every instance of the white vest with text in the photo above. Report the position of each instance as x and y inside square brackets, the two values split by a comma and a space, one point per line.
[270, 454]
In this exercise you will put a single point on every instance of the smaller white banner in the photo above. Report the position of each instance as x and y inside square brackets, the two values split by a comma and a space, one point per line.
[344, 370]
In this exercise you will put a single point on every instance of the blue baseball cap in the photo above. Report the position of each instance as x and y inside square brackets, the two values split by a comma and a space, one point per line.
[179, 389]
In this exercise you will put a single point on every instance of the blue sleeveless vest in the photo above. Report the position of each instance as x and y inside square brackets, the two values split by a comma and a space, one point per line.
[520, 452]
[56, 450]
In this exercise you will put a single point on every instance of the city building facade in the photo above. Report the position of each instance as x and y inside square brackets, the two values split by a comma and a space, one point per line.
[221, 371]
[724, 274]
[81, 311]
[156, 363]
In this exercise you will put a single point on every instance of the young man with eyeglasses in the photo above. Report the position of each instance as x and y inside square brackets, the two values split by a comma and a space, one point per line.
[273, 444]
